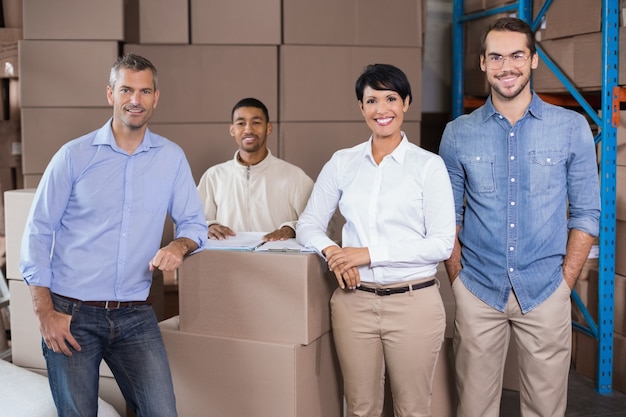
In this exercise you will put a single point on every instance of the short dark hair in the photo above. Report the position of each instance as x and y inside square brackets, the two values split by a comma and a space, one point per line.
[134, 62]
[250, 102]
[383, 77]
[510, 24]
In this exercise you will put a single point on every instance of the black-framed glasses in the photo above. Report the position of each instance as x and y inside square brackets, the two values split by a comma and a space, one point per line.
[517, 60]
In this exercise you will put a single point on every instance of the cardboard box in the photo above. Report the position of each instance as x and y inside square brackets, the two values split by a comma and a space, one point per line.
[201, 83]
[305, 70]
[74, 19]
[329, 22]
[587, 359]
[561, 52]
[310, 145]
[272, 297]
[588, 61]
[46, 129]
[164, 21]
[217, 376]
[76, 72]
[572, 17]
[17, 206]
[236, 22]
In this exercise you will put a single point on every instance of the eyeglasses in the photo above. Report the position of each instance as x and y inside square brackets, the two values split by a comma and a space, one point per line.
[517, 60]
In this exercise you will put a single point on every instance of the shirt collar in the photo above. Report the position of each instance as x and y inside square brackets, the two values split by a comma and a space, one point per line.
[104, 136]
[397, 155]
[535, 108]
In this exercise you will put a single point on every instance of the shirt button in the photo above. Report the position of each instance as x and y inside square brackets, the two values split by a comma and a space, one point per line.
[512, 158]
[512, 225]
[512, 179]
[511, 269]
[512, 203]
[511, 134]
[511, 248]
[548, 159]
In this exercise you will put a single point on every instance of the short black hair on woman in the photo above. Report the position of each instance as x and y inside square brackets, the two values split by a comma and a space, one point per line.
[383, 77]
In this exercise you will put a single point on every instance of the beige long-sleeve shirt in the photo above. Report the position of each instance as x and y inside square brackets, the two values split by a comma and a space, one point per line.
[258, 198]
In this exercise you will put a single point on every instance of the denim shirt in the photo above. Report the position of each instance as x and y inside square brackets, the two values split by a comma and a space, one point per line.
[518, 190]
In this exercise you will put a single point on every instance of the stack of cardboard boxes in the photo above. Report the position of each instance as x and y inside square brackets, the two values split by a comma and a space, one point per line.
[253, 336]
[301, 58]
[571, 34]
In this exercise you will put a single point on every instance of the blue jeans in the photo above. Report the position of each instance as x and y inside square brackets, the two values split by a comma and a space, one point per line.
[129, 341]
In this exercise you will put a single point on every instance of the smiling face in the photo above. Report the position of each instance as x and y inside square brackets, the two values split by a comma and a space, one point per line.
[383, 111]
[509, 81]
[133, 98]
[250, 130]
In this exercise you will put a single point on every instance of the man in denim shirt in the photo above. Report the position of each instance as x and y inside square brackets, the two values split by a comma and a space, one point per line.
[518, 166]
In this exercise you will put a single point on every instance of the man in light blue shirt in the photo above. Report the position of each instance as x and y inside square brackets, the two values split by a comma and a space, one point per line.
[92, 241]
[525, 182]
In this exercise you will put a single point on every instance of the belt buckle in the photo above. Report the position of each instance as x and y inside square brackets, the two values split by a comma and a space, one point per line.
[106, 305]
[383, 291]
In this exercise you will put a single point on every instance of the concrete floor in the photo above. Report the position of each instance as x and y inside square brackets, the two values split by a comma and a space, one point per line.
[582, 400]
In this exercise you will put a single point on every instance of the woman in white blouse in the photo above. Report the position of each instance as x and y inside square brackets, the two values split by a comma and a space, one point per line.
[396, 198]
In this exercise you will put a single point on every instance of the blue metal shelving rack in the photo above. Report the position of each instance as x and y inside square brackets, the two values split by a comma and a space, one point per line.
[606, 137]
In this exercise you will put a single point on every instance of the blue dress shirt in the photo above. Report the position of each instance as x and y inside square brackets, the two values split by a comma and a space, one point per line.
[513, 189]
[98, 215]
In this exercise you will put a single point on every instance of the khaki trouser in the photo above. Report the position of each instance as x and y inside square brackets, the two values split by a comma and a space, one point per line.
[543, 340]
[401, 333]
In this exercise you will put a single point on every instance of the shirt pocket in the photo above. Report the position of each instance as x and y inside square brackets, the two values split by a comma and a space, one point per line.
[480, 173]
[547, 170]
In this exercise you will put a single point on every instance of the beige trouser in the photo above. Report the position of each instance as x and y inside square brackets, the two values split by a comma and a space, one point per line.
[543, 341]
[401, 333]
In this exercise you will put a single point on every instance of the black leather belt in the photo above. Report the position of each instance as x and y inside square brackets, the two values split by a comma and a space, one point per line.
[398, 290]
[109, 305]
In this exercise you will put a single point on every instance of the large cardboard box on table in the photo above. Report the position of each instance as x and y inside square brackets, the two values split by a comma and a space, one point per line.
[273, 297]
[220, 376]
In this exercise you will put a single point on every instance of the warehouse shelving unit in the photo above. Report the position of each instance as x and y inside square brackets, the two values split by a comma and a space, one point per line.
[611, 97]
